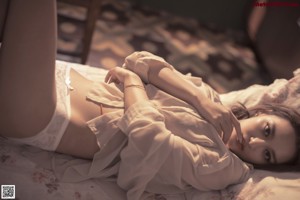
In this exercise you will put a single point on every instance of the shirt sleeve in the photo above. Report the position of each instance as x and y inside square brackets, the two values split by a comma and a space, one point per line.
[147, 148]
[141, 62]
[153, 149]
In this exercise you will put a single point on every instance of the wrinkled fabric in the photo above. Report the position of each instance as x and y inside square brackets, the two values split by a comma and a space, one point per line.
[160, 146]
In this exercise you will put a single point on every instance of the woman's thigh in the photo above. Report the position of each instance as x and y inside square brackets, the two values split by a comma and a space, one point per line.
[27, 67]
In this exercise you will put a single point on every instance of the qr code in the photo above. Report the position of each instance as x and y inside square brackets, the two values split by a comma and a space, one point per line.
[8, 191]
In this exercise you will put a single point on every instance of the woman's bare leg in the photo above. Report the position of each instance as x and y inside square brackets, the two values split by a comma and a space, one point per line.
[27, 67]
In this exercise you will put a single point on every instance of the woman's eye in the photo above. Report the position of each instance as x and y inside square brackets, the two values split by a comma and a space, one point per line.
[267, 155]
[267, 130]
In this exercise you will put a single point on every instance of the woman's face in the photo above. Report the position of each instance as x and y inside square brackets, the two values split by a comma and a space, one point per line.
[269, 139]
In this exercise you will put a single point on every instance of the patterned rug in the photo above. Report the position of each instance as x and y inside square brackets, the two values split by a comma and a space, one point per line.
[220, 57]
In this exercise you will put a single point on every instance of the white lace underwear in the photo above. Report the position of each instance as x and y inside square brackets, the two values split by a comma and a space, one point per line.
[51, 135]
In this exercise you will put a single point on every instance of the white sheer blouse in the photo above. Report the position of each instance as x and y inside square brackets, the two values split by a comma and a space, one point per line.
[160, 146]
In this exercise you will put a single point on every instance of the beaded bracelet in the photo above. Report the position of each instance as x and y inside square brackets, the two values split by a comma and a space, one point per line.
[137, 86]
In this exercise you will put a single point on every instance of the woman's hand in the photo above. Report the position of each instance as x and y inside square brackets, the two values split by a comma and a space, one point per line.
[222, 119]
[134, 90]
[118, 75]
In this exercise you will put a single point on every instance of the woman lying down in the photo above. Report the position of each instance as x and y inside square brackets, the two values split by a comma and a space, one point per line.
[151, 128]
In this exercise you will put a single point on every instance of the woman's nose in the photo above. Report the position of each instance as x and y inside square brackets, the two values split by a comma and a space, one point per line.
[255, 142]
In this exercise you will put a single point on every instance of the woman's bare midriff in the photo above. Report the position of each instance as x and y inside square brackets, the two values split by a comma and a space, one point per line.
[78, 139]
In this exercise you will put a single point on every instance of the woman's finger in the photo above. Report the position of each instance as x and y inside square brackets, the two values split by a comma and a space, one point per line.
[227, 128]
[109, 80]
[218, 128]
[238, 129]
[107, 77]
[111, 76]
[227, 134]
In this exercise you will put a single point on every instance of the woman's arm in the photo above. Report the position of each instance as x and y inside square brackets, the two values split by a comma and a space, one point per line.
[155, 70]
[133, 86]
[219, 116]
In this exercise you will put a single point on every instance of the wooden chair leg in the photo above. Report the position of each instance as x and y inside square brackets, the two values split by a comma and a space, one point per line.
[3, 15]
[91, 18]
